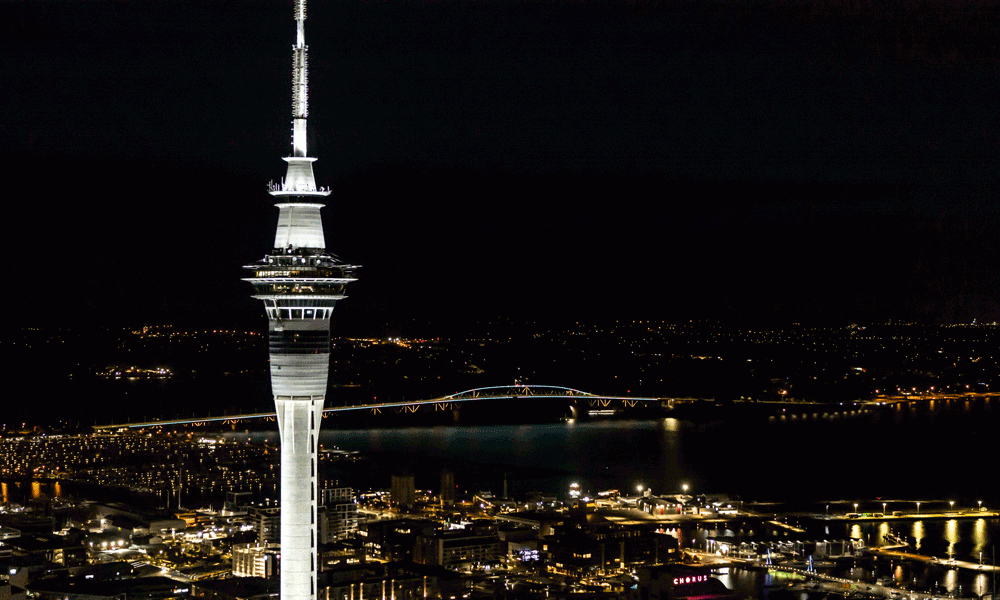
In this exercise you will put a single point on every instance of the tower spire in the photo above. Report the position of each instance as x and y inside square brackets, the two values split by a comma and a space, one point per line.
[300, 83]
[299, 177]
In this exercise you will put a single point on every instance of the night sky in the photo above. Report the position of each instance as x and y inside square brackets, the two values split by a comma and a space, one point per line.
[819, 161]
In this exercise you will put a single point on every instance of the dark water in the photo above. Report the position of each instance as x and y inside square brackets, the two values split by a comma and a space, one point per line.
[943, 451]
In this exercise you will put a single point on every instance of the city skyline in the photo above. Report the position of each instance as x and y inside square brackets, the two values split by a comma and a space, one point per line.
[707, 160]
[708, 163]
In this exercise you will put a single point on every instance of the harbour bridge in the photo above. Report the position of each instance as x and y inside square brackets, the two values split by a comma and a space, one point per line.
[547, 393]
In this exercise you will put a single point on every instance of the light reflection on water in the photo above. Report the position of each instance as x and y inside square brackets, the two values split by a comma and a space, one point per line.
[951, 535]
[20, 491]
[950, 579]
[744, 582]
[917, 531]
[937, 578]
[979, 536]
[961, 539]
[981, 584]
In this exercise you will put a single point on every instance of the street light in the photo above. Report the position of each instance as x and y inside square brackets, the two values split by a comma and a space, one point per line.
[980, 506]
[684, 487]
[855, 507]
[883, 508]
[918, 508]
[951, 505]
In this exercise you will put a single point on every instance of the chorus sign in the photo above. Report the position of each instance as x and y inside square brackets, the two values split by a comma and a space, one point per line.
[692, 579]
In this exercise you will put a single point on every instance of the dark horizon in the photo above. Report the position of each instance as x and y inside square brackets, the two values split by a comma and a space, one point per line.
[798, 162]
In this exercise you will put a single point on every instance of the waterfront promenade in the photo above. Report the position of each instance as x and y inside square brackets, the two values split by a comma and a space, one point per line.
[840, 584]
[814, 581]
[951, 562]
[911, 516]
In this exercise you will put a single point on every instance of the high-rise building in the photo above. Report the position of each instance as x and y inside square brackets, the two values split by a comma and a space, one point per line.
[447, 494]
[266, 521]
[255, 560]
[402, 491]
[299, 282]
[338, 514]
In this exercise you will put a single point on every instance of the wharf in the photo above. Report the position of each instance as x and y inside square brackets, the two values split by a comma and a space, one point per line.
[984, 514]
[860, 586]
[959, 564]
[831, 583]
[787, 526]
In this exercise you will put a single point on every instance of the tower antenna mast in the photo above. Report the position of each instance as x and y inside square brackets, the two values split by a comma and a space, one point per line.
[300, 83]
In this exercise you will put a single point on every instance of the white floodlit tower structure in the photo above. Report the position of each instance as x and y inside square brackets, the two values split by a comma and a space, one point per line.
[299, 282]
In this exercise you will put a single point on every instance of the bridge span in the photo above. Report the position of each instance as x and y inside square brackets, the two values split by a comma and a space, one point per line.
[443, 403]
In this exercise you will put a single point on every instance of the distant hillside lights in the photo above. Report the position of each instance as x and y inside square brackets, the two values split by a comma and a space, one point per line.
[402, 342]
[136, 372]
[168, 331]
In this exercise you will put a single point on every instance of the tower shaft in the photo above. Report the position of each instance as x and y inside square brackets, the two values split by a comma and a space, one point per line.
[299, 283]
[298, 424]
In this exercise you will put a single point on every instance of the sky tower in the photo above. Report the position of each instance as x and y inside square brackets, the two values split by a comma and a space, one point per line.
[299, 282]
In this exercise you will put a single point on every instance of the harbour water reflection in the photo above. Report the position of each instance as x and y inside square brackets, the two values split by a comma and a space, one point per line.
[964, 538]
[967, 539]
[21, 491]
[753, 583]
[894, 453]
